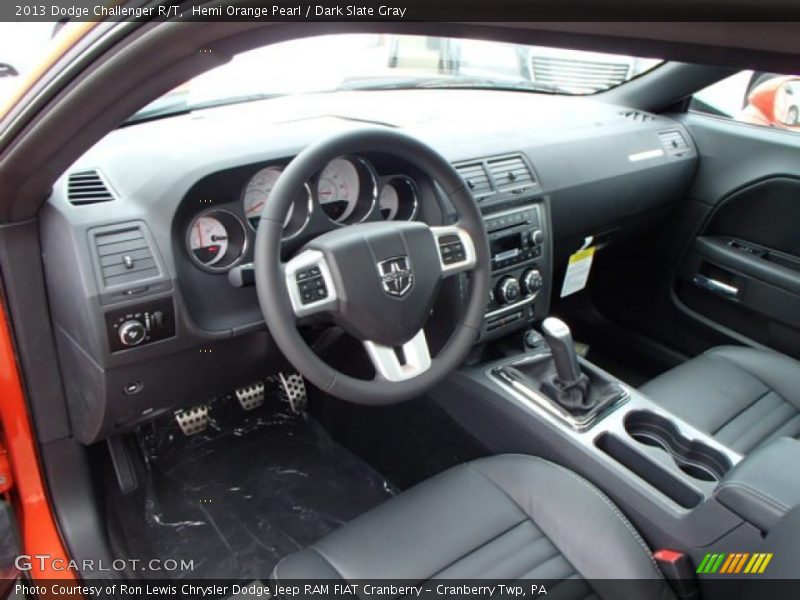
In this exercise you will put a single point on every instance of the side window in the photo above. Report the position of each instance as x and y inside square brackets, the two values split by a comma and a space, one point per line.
[753, 97]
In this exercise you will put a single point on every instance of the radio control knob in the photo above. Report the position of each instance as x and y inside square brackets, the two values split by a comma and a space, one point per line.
[531, 281]
[537, 237]
[132, 332]
[507, 290]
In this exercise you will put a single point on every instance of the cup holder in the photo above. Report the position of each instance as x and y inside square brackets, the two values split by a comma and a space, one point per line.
[693, 457]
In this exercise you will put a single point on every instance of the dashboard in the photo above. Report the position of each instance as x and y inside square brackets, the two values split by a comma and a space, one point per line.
[148, 238]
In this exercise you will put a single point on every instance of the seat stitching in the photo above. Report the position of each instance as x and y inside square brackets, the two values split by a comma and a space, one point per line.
[599, 494]
[489, 541]
[544, 562]
[756, 492]
[774, 428]
[745, 409]
[748, 371]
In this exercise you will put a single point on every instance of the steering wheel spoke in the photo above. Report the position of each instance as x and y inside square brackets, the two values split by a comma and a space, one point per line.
[310, 284]
[400, 363]
[456, 249]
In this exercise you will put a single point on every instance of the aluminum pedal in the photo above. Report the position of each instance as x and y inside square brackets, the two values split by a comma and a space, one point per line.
[192, 420]
[293, 391]
[251, 396]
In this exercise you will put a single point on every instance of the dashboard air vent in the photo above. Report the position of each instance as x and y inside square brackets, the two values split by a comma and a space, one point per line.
[673, 141]
[476, 178]
[124, 255]
[87, 187]
[637, 115]
[510, 173]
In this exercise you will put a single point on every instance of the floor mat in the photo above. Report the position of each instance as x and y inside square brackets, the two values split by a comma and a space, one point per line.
[407, 442]
[235, 500]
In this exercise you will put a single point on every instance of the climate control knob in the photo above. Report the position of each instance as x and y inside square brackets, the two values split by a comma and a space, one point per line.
[507, 290]
[531, 281]
[132, 332]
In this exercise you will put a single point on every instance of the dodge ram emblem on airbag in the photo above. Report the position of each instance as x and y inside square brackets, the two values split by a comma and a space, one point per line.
[396, 276]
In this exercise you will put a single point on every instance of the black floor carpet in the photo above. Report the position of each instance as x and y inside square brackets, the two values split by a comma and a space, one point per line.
[621, 369]
[407, 442]
[235, 500]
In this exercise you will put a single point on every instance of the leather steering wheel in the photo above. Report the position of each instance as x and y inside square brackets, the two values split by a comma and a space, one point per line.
[378, 281]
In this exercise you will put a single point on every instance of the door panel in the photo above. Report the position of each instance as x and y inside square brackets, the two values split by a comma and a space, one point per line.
[741, 271]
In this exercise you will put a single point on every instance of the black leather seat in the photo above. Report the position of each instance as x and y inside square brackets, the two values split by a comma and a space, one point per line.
[504, 517]
[741, 396]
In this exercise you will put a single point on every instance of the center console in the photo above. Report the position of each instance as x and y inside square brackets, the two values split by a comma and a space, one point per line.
[681, 487]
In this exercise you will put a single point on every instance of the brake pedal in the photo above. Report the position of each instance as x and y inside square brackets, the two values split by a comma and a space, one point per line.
[251, 396]
[293, 391]
[192, 420]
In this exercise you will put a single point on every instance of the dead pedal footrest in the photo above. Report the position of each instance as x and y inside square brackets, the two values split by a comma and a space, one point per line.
[192, 420]
[251, 396]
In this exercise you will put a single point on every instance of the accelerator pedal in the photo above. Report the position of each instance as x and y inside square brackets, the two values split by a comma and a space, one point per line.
[251, 396]
[293, 391]
[192, 420]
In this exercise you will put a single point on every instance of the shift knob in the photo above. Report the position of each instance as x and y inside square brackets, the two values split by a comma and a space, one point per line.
[559, 338]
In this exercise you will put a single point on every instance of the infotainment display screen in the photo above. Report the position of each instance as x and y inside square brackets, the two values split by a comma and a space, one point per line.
[507, 246]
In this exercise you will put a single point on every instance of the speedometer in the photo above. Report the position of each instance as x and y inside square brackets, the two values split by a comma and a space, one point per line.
[257, 193]
[338, 189]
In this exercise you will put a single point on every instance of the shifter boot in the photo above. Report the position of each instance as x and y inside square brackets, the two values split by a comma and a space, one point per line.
[573, 395]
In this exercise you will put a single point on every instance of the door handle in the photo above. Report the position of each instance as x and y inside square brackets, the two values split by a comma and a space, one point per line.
[718, 287]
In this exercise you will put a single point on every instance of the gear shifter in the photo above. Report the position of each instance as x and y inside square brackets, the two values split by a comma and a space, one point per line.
[579, 394]
[569, 387]
[559, 339]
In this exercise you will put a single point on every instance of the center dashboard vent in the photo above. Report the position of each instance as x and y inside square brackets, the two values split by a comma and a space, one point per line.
[510, 173]
[476, 178]
[124, 255]
[674, 142]
[87, 187]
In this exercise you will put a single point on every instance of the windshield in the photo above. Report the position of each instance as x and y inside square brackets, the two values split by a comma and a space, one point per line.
[371, 62]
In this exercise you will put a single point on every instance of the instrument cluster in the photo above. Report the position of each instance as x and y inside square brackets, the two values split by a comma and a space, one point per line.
[347, 190]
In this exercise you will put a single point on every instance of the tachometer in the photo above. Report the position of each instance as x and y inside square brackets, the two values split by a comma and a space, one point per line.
[338, 189]
[216, 240]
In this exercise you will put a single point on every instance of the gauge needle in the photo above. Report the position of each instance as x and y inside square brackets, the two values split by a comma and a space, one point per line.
[200, 234]
[256, 206]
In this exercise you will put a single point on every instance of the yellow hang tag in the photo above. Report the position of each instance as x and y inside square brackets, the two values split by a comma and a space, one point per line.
[578, 268]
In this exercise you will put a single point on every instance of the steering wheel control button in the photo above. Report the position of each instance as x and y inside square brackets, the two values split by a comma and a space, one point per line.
[456, 250]
[308, 273]
[452, 249]
[311, 285]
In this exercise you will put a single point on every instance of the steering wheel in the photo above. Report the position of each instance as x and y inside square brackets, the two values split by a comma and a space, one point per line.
[377, 281]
